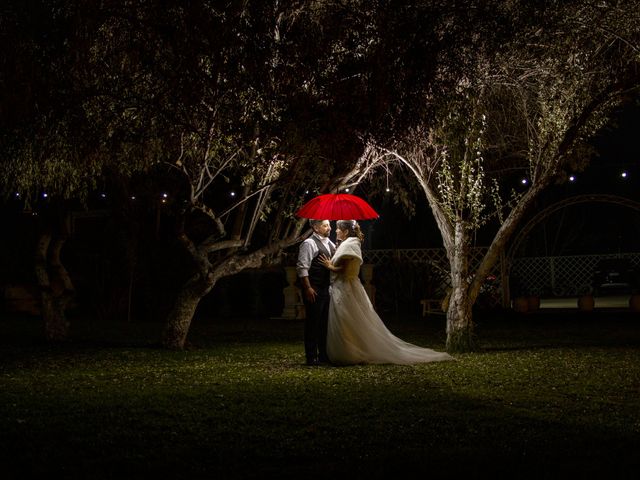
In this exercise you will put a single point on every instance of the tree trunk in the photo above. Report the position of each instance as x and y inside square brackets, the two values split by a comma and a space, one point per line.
[187, 300]
[460, 329]
[55, 289]
[55, 319]
[179, 319]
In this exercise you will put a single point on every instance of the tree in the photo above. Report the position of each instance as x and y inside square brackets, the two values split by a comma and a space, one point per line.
[235, 98]
[238, 96]
[42, 140]
[529, 103]
[269, 149]
[68, 124]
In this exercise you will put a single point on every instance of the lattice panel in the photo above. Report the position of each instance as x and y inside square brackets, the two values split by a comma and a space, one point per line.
[377, 257]
[436, 257]
[530, 276]
[543, 276]
[436, 260]
[559, 276]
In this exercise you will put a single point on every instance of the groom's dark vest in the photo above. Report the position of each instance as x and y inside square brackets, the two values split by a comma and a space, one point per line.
[319, 275]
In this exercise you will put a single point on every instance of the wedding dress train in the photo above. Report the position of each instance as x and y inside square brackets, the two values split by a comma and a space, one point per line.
[356, 334]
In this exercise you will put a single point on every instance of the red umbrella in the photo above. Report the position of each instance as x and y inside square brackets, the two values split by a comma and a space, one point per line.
[337, 206]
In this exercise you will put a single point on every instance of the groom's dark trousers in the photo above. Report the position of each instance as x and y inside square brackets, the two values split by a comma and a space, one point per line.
[315, 326]
[317, 313]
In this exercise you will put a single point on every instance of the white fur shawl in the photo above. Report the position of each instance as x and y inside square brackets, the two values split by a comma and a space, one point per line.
[349, 248]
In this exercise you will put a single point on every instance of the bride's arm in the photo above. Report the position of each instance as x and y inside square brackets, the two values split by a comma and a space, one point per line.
[326, 261]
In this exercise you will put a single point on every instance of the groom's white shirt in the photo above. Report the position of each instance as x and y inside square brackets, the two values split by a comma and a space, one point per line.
[308, 250]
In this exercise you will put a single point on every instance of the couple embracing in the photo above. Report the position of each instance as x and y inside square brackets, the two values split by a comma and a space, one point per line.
[341, 325]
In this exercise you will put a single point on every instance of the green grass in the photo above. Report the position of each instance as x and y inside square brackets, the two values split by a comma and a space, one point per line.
[548, 396]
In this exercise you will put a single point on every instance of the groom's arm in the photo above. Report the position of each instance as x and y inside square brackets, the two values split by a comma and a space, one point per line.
[307, 289]
[305, 257]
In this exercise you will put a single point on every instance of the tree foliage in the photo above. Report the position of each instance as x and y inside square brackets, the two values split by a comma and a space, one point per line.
[271, 99]
[526, 99]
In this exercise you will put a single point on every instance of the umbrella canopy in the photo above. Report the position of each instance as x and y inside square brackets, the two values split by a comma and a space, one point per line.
[337, 206]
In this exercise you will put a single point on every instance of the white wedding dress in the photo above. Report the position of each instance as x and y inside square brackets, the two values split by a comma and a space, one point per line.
[356, 334]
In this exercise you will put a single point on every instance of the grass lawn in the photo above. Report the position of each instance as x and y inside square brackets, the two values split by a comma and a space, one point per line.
[549, 396]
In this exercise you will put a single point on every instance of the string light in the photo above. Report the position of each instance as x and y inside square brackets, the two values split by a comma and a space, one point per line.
[623, 174]
[45, 195]
[524, 181]
[572, 178]
[133, 197]
[346, 190]
[103, 195]
[233, 194]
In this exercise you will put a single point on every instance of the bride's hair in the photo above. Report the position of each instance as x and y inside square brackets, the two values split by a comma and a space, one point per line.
[351, 227]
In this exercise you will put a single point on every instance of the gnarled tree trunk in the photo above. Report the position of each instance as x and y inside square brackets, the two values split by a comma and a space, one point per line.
[194, 290]
[56, 288]
[179, 319]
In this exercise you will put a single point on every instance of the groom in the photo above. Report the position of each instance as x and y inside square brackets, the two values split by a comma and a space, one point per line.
[315, 279]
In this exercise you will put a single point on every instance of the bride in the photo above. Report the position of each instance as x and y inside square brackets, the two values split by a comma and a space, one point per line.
[356, 334]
